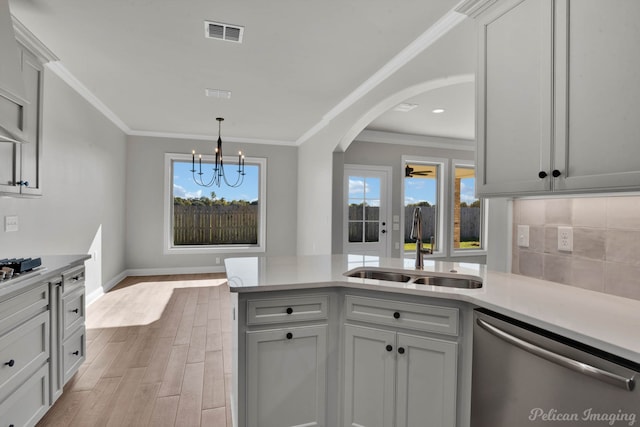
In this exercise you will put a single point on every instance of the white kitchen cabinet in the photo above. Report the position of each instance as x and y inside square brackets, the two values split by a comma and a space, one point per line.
[370, 376]
[557, 97]
[68, 296]
[286, 377]
[282, 377]
[398, 379]
[20, 163]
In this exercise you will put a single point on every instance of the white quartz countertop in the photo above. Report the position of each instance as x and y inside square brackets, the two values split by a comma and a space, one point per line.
[604, 321]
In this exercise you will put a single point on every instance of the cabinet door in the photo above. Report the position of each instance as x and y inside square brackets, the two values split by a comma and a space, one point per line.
[286, 377]
[8, 167]
[598, 95]
[369, 376]
[31, 152]
[515, 98]
[426, 386]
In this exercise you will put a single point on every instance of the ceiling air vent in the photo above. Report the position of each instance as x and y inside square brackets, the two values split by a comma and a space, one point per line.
[217, 30]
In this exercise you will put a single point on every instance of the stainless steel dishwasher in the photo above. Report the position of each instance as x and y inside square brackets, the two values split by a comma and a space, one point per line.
[525, 376]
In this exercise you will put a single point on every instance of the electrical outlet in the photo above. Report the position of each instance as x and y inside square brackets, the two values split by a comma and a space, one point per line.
[565, 239]
[10, 223]
[523, 236]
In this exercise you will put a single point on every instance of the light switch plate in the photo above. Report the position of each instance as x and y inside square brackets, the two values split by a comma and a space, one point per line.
[523, 236]
[565, 239]
[10, 223]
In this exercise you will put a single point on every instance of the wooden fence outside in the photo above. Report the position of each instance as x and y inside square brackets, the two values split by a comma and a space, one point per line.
[469, 223]
[215, 225]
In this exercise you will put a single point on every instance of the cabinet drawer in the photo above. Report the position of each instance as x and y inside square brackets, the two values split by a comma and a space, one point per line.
[419, 317]
[73, 307]
[16, 310]
[73, 353]
[294, 309]
[26, 405]
[72, 279]
[22, 351]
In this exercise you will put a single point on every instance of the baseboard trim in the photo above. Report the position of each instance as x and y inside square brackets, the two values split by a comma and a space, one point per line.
[173, 270]
[95, 295]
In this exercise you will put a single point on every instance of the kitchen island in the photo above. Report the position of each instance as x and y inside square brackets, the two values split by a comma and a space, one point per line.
[342, 319]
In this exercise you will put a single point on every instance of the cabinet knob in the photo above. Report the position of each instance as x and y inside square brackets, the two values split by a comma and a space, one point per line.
[396, 315]
[401, 350]
[289, 335]
[556, 173]
[10, 363]
[389, 347]
[289, 310]
[542, 174]
[75, 310]
[383, 231]
[75, 353]
[23, 183]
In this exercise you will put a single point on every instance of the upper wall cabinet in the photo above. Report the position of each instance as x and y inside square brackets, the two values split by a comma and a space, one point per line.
[558, 97]
[20, 163]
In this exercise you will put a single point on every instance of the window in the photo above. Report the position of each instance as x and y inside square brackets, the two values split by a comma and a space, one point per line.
[423, 189]
[467, 209]
[453, 218]
[214, 219]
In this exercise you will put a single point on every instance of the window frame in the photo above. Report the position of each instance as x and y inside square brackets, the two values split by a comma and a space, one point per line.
[441, 202]
[170, 249]
[446, 188]
[453, 252]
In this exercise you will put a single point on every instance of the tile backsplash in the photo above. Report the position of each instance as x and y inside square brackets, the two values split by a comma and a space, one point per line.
[606, 242]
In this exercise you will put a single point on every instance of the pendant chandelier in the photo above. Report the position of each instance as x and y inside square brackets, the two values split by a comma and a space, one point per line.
[218, 176]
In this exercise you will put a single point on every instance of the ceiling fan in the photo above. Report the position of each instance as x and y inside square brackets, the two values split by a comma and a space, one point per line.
[410, 172]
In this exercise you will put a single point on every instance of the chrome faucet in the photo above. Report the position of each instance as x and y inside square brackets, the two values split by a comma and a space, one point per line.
[416, 233]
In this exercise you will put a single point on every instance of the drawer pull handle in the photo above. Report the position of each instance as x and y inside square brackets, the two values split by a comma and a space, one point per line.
[396, 315]
[75, 353]
[10, 363]
[289, 310]
[389, 347]
[75, 310]
[401, 350]
[289, 335]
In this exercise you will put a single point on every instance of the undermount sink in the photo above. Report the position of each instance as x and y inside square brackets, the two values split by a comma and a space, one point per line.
[417, 278]
[449, 282]
[379, 275]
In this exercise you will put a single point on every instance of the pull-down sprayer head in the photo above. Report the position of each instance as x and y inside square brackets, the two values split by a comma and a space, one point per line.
[416, 227]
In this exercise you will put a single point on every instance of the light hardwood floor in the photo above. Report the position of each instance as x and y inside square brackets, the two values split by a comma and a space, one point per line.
[158, 354]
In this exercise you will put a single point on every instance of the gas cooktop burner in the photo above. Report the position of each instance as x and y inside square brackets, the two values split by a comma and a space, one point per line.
[14, 267]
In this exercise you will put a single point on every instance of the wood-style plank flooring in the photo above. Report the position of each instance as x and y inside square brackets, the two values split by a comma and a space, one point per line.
[158, 354]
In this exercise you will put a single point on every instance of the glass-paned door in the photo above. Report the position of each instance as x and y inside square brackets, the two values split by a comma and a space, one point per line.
[366, 223]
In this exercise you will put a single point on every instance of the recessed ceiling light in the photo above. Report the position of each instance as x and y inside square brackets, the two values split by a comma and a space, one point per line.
[218, 93]
[404, 107]
[438, 111]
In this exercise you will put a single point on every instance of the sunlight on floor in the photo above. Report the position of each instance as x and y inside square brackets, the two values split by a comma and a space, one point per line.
[142, 300]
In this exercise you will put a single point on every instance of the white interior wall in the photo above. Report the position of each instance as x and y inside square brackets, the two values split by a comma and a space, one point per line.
[83, 174]
[145, 203]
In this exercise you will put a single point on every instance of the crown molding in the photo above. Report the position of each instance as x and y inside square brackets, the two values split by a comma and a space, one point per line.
[473, 8]
[200, 137]
[61, 71]
[31, 42]
[426, 39]
[416, 140]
